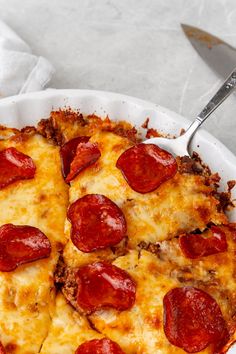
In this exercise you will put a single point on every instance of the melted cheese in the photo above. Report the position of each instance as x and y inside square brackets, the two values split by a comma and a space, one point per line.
[68, 330]
[28, 313]
[27, 294]
[215, 274]
[182, 204]
[140, 330]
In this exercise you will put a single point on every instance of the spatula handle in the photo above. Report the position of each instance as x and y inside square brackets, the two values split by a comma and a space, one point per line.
[225, 90]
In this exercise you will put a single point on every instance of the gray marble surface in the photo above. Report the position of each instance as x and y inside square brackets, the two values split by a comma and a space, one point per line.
[135, 47]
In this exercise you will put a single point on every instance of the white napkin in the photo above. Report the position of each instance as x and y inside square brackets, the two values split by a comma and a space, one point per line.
[20, 70]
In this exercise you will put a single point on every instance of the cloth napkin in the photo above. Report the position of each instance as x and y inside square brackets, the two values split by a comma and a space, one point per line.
[20, 70]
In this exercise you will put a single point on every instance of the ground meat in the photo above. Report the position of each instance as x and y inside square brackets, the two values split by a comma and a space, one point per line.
[47, 129]
[53, 127]
[152, 133]
[225, 201]
[197, 158]
[213, 180]
[231, 184]
[195, 166]
[145, 124]
[151, 247]
[65, 280]
[225, 198]
[28, 130]
[64, 125]
[192, 166]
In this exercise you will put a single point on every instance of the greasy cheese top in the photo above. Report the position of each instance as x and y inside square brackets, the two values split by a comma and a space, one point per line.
[182, 204]
[140, 329]
[28, 311]
[68, 330]
[215, 274]
[27, 293]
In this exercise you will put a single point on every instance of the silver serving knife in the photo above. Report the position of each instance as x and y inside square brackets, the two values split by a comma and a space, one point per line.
[219, 55]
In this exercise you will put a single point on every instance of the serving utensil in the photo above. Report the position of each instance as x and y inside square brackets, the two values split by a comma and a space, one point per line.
[180, 145]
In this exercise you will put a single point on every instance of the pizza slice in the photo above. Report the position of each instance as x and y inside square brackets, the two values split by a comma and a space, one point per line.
[33, 202]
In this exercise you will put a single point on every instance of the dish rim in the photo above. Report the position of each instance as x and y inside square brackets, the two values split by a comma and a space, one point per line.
[113, 95]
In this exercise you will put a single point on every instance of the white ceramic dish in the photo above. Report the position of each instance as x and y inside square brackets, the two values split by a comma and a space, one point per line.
[28, 109]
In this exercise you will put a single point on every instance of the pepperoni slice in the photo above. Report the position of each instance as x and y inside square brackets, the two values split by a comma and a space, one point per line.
[21, 244]
[14, 166]
[146, 166]
[97, 223]
[68, 151]
[86, 155]
[102, 284]
[210, 242]
[99, 346]
[193, 319]
[3, 351]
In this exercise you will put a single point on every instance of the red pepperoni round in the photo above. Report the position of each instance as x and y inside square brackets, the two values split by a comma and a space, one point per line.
[102, 284]
[15, 166]
[86, 155]
[68, 151]
[99, 346]
[2, 349]
[21, 244]
[196, 245]
[146, 166]
[193, 319]
[97, 223]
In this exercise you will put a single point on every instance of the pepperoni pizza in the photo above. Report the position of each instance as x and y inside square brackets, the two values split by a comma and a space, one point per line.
[109, 245]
